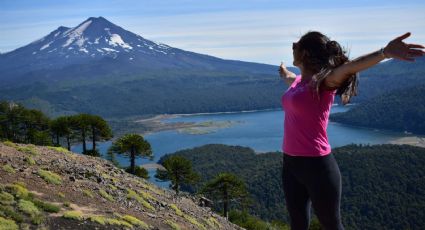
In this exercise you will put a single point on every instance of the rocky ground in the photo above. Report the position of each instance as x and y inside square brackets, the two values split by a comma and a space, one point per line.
[51, 188]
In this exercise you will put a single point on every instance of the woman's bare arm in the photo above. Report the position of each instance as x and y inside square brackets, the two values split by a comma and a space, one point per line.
[286, 75]
[395, 49]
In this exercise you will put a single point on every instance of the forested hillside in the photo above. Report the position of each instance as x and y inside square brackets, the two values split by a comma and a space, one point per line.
[399, 110]
[383, 185]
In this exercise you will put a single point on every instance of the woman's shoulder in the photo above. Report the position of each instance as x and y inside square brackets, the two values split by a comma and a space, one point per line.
[296, 81]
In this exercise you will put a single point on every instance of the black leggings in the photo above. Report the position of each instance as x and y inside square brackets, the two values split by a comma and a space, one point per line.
[316, 181]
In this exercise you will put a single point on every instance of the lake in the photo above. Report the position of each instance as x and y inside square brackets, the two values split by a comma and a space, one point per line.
[261, 131]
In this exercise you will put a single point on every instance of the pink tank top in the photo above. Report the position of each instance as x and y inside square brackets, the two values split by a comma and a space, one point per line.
[306, 120]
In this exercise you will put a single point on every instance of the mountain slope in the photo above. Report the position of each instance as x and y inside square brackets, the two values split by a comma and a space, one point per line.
[101, 68]
[57, 189]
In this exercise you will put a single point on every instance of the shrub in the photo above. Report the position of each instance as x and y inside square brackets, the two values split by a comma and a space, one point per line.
[30, 160]
[88, 193]
[27, 149]
[46, 206]
[6, 224]
[9, 169]
[173, 225]
[6, 198]
[134, 221]
[10, 144]
[133, 195]
[29, 208]
[50, 177]
[18, 190]
[75, 215]
[106, 195]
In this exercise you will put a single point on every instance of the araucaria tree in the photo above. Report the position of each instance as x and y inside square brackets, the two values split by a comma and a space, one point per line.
[61, 127]
[132, 145]
[81, 124]
[225, 187]
[178, 170]
[100, 130]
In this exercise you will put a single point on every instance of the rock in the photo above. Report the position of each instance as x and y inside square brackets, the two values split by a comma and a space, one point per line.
[99, 179]
[151, 215]
[72, 178]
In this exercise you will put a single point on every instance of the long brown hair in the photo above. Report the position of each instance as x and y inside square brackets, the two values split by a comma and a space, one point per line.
[321, 57]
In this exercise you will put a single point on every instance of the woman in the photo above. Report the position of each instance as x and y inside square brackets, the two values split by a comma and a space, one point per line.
[310, 173]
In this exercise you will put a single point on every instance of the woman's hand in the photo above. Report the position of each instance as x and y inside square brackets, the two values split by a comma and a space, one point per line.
[286, 75]
[403, 51]
[282, 70]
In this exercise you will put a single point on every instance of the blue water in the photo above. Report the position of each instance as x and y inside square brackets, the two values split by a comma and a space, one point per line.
[262, 131]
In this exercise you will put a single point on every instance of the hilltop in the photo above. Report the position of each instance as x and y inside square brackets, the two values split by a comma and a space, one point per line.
[53, 188]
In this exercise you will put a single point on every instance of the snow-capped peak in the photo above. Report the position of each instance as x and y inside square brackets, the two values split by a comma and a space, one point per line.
[94, 38]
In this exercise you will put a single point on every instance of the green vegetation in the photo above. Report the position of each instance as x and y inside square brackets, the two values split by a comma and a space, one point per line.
[59, 149]
[139, 171]
[15, 200]
[6, 198]
[225, 187]
[194, 222]
[133, 195]
[29, 208]
[401, 110]
[383, 185]
[106, 195]
[61, 195]
[176, 209]
[134, 221]
[178, 170]
[18, 190]
[132, 145]
[247, 221]
[50, 177]
[9, 212]
[10, 144]
[22, 125]
[173, 225]
[213, 222]
[8, 168]
[46, 206]
[6, 224]
[27, 149]
[30, 160]
[88, 193]
[75, 215]
[113, 221]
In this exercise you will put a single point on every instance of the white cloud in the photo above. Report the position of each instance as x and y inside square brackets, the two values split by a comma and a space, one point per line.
[255, 35]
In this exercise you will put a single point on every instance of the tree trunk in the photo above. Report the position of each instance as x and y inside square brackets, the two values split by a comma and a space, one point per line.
[57, 138]
[133, 161]
[225, 203]
[94, 138]
[68, 142]
[83, 134]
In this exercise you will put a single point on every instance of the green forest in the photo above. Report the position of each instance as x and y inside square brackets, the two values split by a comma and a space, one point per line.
[383, 185]
[398, 110]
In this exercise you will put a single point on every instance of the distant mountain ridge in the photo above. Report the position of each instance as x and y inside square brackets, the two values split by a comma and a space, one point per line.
[96, 41]
[99, 67]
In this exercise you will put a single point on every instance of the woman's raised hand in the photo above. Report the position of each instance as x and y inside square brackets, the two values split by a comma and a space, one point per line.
[282, 70]
[403, 51]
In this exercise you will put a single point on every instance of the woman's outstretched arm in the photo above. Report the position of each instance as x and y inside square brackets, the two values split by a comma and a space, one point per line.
[395, 49]
[286, 75]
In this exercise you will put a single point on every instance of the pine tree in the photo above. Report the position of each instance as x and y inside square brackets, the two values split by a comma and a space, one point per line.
[225, 187]
[132, 145]
[179, 171]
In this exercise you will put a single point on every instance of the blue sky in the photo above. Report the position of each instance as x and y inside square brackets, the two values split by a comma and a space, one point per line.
[257, 31]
